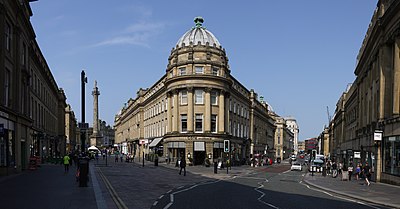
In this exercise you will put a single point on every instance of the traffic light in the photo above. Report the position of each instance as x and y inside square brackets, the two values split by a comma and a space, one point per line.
[226, 145]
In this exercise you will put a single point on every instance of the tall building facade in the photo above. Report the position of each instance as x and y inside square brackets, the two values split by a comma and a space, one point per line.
[370, 108]
[292, 125]
[71, 130]
[195, 106]
[32, 107]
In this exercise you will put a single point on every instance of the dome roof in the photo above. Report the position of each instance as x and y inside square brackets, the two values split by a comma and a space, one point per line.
[198, 34]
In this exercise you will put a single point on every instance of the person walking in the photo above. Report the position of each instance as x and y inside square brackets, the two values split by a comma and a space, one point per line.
[66, 163]
[350, 169]
[183, 166]
[358, 171]
[367, 173]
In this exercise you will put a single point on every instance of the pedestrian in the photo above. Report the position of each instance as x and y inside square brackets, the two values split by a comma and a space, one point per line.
[71, 156]
[358, 171]
[122, 157]
[350, 168]
[340, 168]
[97, 157]
[116, 157]
[367, 173]
[66, 163]
[183, 166]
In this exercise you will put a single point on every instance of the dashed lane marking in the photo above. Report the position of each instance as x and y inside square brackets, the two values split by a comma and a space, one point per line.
[161, 197]
[155, 203]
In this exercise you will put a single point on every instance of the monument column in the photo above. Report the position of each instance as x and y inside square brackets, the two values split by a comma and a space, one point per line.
[95, 138]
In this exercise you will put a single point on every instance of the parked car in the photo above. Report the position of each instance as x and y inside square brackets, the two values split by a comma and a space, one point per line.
[296, 166]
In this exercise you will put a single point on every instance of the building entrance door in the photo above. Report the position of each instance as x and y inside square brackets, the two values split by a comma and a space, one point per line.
[199, 154]
[199, 157]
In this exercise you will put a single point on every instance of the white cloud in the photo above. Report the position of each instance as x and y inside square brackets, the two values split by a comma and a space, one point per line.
[137, 34]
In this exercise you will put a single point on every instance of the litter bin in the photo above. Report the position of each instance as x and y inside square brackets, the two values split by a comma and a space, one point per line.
[83, 171]
[156, 161]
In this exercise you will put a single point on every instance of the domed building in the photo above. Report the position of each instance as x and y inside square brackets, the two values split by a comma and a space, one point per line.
[195, 107]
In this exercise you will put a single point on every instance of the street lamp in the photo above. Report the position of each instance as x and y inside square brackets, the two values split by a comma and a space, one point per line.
[189, 155]
[209, 155]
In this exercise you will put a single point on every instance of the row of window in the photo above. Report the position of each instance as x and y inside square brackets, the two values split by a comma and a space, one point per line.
[197, 70]
[156, 109]
[198, 123]
[198, 97]
[239, 109]
[238, 129]
[155, 129]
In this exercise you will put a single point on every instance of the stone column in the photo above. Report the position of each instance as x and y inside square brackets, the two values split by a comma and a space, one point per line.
[169, 112]
[176, 112]
[207, 112]
[226, 115]
[221, 112]
[396, 77]
[190, 115]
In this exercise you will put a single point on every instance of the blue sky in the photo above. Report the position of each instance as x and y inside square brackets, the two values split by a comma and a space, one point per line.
[299, 55]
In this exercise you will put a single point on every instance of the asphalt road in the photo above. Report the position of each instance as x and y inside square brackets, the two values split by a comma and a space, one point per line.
[273, 187]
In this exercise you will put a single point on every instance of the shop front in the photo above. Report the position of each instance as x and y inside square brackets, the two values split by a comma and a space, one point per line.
[391, 158]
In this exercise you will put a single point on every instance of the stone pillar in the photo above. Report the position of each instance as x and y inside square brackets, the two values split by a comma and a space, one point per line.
[190, 115]
[226, 115]
[95, 94]
[176, 112]
[210, 149]
[396, 77]
[169, 113]
[207, 112]
[378, 169]
[221, 112]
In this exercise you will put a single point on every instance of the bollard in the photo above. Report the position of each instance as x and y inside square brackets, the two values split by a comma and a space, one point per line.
[215, 167]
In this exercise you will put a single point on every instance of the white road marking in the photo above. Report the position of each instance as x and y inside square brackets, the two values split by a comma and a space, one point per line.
[171, 196]
[155, 203]
[169, 191]
[161, 197]
[340, 197]
[263, 194]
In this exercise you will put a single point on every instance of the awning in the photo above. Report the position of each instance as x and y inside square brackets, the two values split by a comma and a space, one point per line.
[155, 142]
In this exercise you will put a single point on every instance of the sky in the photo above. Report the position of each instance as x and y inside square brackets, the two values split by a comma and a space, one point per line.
[299, 55]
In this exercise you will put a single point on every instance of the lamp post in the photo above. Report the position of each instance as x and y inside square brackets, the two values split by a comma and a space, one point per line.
[83, 126]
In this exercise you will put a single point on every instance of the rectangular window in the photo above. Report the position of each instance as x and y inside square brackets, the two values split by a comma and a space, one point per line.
[215, 71]
[214, 123]
[214, 97]
[182, 71]
[199, 69]
[183, 123]
[184, 97]
[199, 96]
[171, 74]
[8, 36]
[199, 123]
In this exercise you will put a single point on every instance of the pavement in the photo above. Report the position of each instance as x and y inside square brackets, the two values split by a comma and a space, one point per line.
[50, 187]
[380, 193]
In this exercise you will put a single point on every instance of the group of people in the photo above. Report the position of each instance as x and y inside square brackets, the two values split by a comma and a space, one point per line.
[359, 171]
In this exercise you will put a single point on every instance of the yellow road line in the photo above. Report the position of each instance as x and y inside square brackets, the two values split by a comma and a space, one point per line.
[118, 201]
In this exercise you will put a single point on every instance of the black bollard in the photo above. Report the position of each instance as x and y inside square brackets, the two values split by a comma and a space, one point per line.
[215, 167]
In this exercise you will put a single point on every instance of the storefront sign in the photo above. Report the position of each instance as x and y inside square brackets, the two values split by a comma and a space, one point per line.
[392, 139]
[357, 155]
[378, 136]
